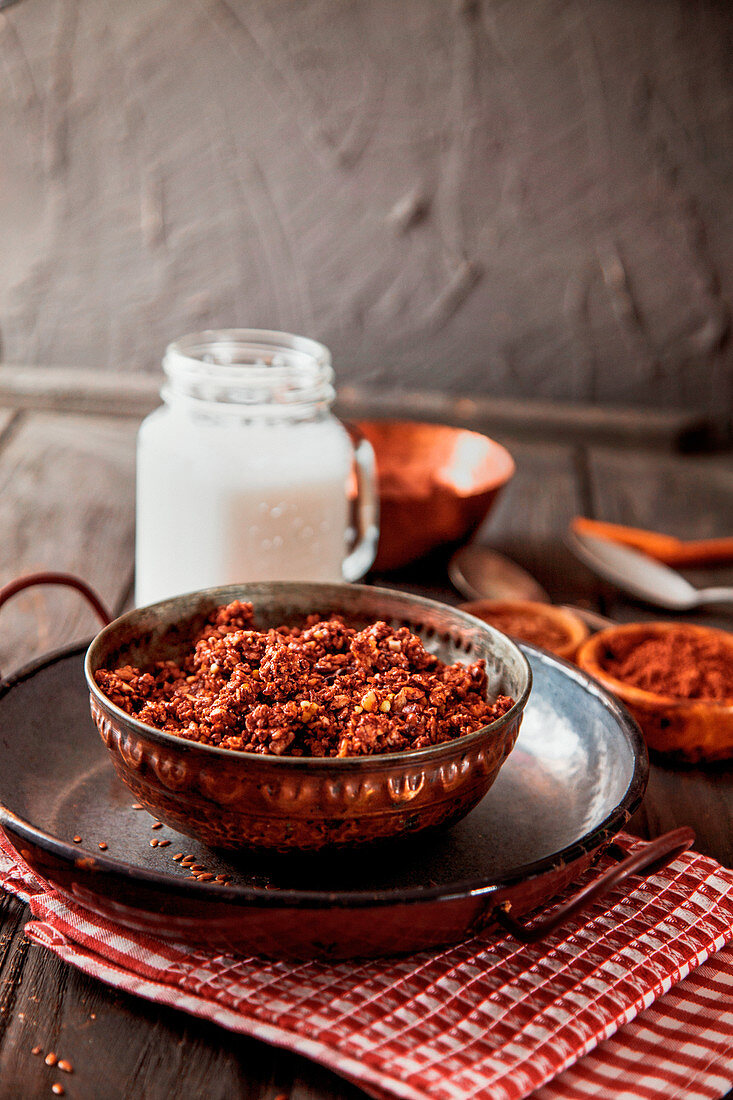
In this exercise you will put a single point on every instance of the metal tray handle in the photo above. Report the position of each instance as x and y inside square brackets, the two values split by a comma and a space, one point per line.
[67, 580]
[656, 854]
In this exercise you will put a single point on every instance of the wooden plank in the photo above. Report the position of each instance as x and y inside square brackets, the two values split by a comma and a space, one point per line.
[61, 389]
[700, 797]
[532, 514]
[69, 390]
[690, 498]
[560, 421]
[66, 503]
[686, 497]
[122, 1046]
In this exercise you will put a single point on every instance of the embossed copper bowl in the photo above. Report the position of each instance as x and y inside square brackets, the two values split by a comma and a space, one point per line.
[235, 799]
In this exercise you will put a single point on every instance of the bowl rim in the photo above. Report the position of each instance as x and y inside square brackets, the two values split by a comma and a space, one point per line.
[509, 466]
[588, 661]
[378, 760]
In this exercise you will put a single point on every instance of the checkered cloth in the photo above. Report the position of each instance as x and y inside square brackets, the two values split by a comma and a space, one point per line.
[589, 1012]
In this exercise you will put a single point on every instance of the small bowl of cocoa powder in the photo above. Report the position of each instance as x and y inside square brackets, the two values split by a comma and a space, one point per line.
[551, 628]
[675, 678]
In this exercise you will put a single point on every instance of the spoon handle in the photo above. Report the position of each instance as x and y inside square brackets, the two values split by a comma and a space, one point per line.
[715, 595]
[591, 619]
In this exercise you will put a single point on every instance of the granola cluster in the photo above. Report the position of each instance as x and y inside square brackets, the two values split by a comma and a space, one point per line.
[325, 689]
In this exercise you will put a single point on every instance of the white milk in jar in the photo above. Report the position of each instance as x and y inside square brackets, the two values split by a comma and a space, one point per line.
[244, 474]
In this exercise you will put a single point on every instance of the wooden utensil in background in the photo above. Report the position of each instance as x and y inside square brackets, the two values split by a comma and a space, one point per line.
[664, 548]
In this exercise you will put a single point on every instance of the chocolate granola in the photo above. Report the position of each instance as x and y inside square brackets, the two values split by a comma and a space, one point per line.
[326, 689]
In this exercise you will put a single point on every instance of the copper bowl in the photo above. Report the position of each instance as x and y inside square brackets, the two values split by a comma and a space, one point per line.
[233, 799]
[436, 485]
[554, 629]
[691, 729]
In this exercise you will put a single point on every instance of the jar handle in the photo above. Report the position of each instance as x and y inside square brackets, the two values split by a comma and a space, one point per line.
[364, 503]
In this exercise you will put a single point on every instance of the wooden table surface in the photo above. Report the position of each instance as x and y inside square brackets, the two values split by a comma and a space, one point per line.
[66, 502]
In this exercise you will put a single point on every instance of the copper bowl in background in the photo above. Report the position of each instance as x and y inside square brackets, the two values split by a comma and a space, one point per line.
[233, 799]
[436, 485]
[691, 729]
[554, 629]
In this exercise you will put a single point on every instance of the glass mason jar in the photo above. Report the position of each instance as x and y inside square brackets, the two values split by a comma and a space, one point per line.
[244, 474]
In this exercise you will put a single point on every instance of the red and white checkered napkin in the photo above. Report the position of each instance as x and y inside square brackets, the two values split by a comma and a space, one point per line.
[572, 1017]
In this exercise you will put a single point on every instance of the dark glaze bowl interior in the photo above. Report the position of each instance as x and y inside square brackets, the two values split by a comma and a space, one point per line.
[235, 799]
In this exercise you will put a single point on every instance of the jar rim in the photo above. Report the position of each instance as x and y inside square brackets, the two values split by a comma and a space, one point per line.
[194, 345]
[248, 366]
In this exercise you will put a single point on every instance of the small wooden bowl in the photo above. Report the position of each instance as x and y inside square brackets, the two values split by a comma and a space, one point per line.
[551, 628]
[437, 484]
[692, 729]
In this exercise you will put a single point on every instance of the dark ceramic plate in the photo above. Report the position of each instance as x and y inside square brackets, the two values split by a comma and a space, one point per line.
[577, 773]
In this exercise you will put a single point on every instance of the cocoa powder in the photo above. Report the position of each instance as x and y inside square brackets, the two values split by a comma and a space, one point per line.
[680, 662]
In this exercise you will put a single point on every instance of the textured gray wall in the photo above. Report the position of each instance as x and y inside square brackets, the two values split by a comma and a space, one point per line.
[522, 198]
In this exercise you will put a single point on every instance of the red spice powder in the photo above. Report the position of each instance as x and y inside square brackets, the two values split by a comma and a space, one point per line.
[683, 663]
[527, 625]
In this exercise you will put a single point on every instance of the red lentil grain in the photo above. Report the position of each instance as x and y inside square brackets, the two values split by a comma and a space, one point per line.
[206, 877]
[51, 1059]
[138, 806]
[163, 843]
[77, 840]
[178, 856]
[157, 825]
[36, 1050]
[65, 1065]
[103, 845]
[57, 1089]
[153, 843]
